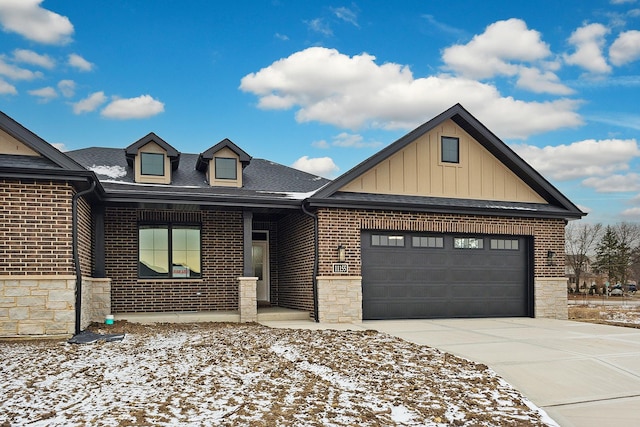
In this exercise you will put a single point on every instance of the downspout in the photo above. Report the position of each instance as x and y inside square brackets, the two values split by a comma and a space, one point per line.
[314, 281]
[76, 255]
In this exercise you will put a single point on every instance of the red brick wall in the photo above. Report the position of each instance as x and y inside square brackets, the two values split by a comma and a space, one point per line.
[36, 228]
[222, 250]
[296, 258]
[343, 227]
[85, 237]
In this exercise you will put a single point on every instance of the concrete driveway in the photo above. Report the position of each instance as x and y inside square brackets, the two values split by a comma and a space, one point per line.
[581, 374]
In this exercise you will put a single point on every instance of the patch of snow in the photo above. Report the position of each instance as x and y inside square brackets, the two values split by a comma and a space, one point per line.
[110, 171]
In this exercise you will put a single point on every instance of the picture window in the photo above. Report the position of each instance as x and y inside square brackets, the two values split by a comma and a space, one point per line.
[226, 168]
[450, 149]
[152, 164]
[169, 251]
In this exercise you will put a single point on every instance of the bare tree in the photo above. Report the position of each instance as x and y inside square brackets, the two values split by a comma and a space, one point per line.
[580, 239]
[629, 237]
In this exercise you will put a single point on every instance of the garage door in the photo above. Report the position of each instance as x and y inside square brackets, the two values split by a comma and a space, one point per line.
[414, 276]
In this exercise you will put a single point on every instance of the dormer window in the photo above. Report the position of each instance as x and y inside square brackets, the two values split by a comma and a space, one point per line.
[152, 164]
[223, 164]
[152, 160]
[226, 168]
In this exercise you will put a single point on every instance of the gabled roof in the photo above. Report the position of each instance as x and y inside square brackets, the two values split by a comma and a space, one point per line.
[132, 150]
[205, 157]
[54, 157]
[330, 195]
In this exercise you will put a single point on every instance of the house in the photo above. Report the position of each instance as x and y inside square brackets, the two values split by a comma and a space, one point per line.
[447, 221]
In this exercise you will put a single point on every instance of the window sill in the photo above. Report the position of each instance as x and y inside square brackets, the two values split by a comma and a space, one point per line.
[164, 279]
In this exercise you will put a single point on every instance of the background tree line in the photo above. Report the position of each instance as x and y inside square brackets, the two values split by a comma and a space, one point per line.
[612, 250]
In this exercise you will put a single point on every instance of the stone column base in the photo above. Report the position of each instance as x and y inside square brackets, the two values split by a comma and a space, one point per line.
[340, 299]
[551, 297]
[248, 299]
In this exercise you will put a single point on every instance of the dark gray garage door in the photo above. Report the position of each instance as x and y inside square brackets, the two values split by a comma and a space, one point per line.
[414, 275]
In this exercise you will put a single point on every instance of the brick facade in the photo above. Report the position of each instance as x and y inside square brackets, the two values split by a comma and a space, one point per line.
[296, 259]
[344, 227]
[221, 263]
[36, 225]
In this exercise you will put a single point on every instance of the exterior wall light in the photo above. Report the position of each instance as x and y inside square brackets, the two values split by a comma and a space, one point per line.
[342, 253]
[551, 256]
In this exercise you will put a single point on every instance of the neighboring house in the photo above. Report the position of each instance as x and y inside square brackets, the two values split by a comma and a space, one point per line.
[445, 222]
[587, 276]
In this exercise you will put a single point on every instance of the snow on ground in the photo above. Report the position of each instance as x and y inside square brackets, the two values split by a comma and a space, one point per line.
[247, 374]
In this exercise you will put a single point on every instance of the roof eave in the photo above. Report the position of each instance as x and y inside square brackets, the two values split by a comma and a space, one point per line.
[464, 210]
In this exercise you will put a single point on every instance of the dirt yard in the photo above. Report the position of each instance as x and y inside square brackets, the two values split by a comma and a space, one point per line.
[594, 311]
[251, 375]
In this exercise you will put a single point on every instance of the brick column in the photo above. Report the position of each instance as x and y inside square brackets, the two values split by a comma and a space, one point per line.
[247, 299]
[340, 299]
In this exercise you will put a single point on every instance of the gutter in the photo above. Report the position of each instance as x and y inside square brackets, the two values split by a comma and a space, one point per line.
[76, 255]
[314, 282]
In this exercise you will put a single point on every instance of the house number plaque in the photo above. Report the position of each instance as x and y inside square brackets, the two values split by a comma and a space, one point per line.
[341, 268]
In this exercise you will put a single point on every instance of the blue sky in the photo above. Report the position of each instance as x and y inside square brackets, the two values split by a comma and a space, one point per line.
[324, 85]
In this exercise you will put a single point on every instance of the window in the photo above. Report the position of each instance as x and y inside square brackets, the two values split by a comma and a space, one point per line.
[384, 240]
[161, 246]
[504, 244]
[450, 149]
[467, 243]
[152, 164]
[427, 242]
[226, 168]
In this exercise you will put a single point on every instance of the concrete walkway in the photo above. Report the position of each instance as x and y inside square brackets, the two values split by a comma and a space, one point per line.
[581, 374]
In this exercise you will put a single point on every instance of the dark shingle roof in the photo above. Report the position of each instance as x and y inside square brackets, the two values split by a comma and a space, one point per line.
[262, 180]
[26, 162]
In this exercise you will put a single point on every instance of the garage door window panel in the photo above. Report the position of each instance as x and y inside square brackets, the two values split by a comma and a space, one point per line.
[468, 243]
[505, 244]
[387, 240]
[436, 242]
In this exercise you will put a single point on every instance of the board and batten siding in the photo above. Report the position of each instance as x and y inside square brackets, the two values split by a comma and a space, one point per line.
[416, 170]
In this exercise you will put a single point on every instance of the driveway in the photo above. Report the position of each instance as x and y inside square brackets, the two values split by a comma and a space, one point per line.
[581, 374]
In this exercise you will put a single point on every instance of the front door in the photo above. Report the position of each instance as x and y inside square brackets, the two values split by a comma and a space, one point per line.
[260, 254]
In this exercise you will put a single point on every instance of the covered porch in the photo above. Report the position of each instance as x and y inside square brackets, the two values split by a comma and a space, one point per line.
[265, 314]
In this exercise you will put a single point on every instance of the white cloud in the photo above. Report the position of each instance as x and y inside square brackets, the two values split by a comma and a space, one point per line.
[59, 146]
[28, 19]
[7, 89]
[626, 48]
[282, 37]
[45, 94]
[631, 213]
[353, 141]
[133, 108]
[589, 41]
[67, 87]
[16, 73]
[354, 92]
[33, 58]
[614, 183]
[322, 144]
[79, 62]
[493, 52]
[90, 103]
[589, 158]
[319, 26]
[346, 15]
[541, 82]
[322, 166]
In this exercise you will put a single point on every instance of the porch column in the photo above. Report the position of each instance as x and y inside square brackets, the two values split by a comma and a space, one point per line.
[247, 299]
[247, 259]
